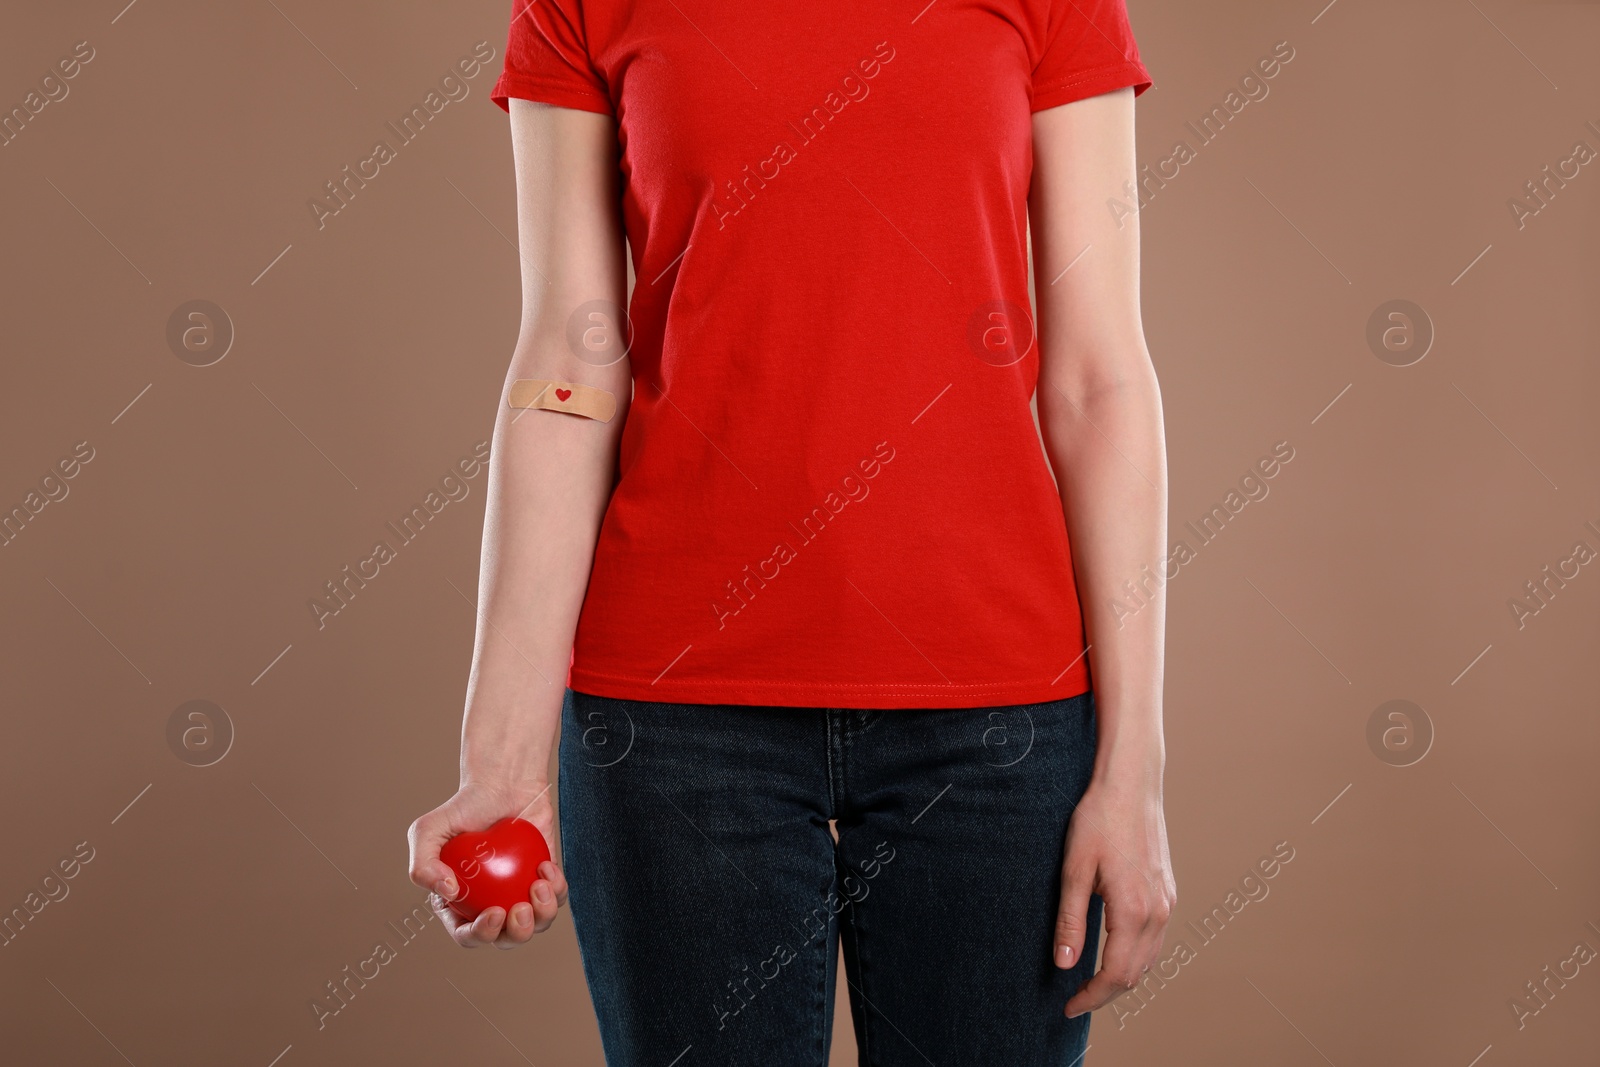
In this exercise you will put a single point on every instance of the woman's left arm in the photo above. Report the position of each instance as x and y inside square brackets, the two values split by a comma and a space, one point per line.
[1100, 415]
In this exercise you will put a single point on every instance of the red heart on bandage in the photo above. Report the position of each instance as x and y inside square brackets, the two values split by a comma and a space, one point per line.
[563, 394]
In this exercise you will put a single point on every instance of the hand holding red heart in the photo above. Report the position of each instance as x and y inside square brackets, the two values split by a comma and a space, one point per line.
[478, 859]
[497, 867]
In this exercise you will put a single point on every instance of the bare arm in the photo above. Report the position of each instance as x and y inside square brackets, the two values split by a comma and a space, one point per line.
[550, 479]
[1100, 415]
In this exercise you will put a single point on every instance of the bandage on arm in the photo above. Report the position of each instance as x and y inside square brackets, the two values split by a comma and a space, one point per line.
[573, 398]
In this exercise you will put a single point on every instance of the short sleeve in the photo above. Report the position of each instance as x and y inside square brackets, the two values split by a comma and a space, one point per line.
[1089, 49]
[547, 58]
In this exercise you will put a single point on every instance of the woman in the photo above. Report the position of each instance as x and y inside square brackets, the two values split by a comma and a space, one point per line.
[830, 620]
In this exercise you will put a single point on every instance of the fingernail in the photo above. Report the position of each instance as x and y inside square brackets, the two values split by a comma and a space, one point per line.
[1064, 956]
[1073, 1014]
[541, 892]
[524, 914]
[446, 888]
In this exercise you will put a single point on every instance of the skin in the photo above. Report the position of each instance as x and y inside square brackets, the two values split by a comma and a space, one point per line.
[1100, 418]
[548, 488]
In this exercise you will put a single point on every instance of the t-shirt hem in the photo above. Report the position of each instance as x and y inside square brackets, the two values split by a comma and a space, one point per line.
[548, 91]
[1084, 84]
[1073, 682]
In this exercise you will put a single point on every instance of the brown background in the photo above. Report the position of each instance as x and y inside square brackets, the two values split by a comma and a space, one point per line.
[367, 360]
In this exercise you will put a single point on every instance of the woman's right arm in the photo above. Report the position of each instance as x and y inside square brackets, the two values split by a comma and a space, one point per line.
[550, 479]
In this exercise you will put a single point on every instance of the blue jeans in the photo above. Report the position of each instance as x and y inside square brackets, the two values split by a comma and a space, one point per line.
[710, 897]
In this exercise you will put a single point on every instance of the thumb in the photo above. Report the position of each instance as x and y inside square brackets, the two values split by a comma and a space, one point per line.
[428, 835]
[1072, 915]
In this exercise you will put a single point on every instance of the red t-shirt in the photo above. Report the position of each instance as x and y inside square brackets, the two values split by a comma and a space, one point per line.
[831, 492]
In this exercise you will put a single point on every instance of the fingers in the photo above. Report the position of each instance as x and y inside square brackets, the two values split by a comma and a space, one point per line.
[535, 916]
[454, 925]
[508, 930]
[427, 836]
[1134, 931]
[495, 925]
[545, 905]
[519, 926]
[558, 880]
[1072, 914]
[483, 930]
[546, 897]
[1120, 968]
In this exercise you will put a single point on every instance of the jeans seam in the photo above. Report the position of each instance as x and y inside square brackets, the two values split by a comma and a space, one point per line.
[861, 991]
[821, 1014]
[833, 776]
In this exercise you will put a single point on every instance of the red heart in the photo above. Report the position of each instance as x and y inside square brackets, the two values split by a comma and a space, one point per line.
[562, 394]
[497, 867]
